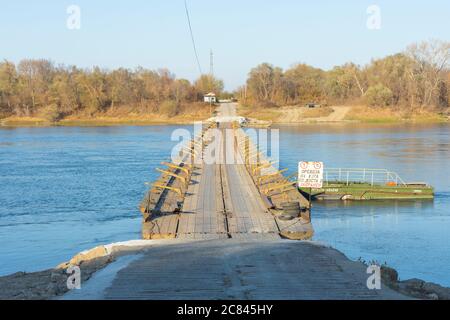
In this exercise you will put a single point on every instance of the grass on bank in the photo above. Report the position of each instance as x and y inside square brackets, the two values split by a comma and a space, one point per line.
[189, 113]
[362, 114]
[123, 115]
[265, 114]
[390, 115]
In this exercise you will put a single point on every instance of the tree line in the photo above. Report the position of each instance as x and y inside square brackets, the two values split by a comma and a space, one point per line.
[39, 87]
[419, 77]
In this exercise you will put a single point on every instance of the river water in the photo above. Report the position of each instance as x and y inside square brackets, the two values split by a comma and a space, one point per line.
[64, 189]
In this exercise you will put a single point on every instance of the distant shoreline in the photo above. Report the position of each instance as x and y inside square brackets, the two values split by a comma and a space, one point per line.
[92, 122]
[340, 114]
[288, 115]
[34, 122]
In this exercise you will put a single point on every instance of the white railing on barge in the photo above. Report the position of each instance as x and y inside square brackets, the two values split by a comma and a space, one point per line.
[370, 176]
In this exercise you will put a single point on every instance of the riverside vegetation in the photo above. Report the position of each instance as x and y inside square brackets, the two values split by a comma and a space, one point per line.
[38, 92]
[411, 85]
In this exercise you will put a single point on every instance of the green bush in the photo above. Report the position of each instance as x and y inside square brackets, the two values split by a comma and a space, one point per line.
[169, 108]
[379, 96]
[51, 113]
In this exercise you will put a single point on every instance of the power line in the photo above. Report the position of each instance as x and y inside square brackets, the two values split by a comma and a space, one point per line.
[192, 37]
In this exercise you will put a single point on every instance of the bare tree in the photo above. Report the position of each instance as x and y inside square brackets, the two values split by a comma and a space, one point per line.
[431, 63]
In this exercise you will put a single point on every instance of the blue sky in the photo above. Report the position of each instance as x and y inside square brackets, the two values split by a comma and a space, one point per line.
[154, 33]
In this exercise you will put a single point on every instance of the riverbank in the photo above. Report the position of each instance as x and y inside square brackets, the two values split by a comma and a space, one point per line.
[427, 146]
[106, 121]
[341, 114]
[118, 116]
[282, 115]
[348, 277]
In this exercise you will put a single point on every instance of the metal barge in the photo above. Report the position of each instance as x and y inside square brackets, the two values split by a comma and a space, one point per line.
[368, 184]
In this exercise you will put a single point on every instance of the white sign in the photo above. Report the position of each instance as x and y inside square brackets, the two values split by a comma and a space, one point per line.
[310, 175]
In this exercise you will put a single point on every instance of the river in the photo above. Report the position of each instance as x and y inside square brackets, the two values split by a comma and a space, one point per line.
[66, 189]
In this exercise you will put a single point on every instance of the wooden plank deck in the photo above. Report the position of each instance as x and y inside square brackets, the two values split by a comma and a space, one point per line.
[249, 212]
[237, 252]
[202, 213]
[224, 201]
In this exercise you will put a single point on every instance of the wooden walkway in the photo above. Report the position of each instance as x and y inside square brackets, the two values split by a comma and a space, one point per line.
[226, 240]
[249, 213]
[223, 200]
[203, 212]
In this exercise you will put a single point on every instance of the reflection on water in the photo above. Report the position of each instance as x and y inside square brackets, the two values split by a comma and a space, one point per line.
[64, 190]
[412, 236]
[378, 205]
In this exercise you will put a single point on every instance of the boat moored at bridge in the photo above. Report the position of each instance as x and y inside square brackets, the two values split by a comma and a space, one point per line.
[368, 184]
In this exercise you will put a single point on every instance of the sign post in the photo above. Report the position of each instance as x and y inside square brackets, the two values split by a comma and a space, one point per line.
[310, 175]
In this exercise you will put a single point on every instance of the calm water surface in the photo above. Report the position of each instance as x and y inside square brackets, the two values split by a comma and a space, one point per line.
[63, 190]
[412, 236]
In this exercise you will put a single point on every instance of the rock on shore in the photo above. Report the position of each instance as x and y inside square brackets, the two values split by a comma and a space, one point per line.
[51, 283]
[414, 287]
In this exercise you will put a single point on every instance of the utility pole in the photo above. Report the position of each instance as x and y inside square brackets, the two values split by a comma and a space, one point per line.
[210, 106]
[211, 73]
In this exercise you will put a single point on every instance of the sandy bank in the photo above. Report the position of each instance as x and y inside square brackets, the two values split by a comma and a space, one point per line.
[257, 117]
[340, 114]
[98, 122]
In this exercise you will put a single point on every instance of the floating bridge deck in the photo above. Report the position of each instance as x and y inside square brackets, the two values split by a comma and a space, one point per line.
[239, 195]
[224, 230]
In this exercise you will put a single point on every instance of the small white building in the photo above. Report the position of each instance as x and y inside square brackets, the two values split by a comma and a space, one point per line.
[210, 98]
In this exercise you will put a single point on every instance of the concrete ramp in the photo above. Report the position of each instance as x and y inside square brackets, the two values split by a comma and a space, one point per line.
[249, 268]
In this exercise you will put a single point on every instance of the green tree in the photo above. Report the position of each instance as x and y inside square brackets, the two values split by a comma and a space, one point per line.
[378, 95]
[182, 90]
[207, 83]
[344, 83]
[393, 73]
[63, 91]
[121, 87]
[35, 77]
[169, 108]
[264, 82]
[305, 84]
[8, 86]
[92, 88]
